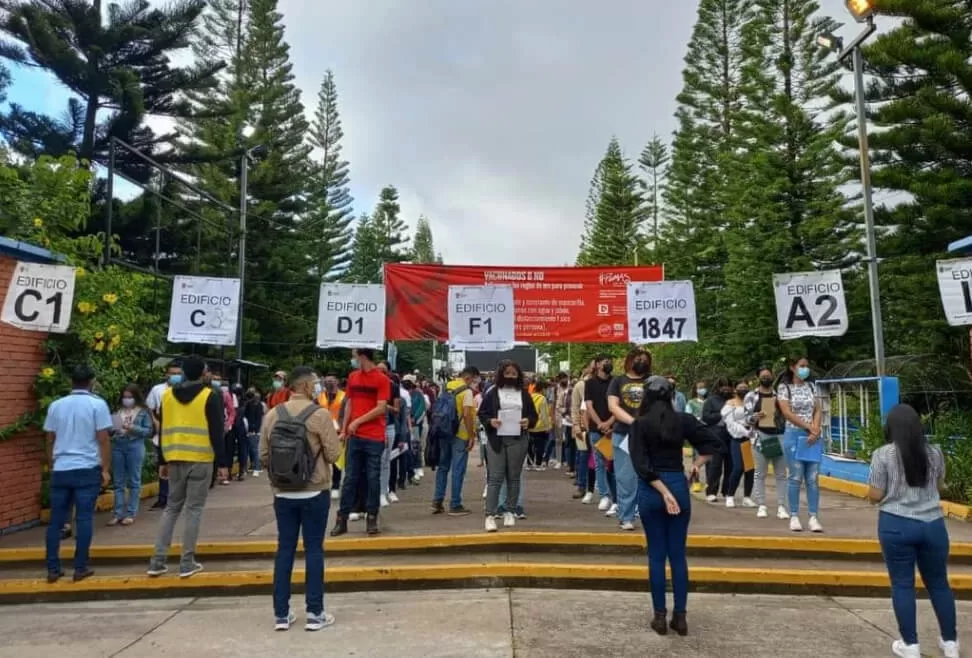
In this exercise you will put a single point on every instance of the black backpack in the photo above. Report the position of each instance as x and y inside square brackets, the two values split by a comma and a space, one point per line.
[292, 462]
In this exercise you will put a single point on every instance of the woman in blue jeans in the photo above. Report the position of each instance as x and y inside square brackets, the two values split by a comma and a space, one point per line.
[132, 427]
[624, 397]
[906, 475]
[798, 400]
[655, 441]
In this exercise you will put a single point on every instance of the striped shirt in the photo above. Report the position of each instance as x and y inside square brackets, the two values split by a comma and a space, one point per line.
[918, 503]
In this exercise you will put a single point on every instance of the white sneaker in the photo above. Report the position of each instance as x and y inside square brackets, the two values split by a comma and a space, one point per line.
[730, 502]
[335, 494]
[627, 526]
[554, 464]
[781, 513]
[354, 516]
[392, 497]
[795, 524]
[815, 525]
[420, 473]
[509, 520]
[256, 474]
[485, 489]
[318, 622]
[605, 504]
[762, 512]
[587, 499]
[284, 623]
[613, 511]
[899, 648]
[748, 502]
[384, 501]
[543, 468]
[711, 498]
[949, 649]
[490, 524]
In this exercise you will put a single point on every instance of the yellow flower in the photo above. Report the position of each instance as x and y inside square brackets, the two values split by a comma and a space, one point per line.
[112, 329]
[115, 340]
[47, 373]
[99, 335]
[99, 346]
[38, 222]
[109, 298]
[79, 272]
[115, 364]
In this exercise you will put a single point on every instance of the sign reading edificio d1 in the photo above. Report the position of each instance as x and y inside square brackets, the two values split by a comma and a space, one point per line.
[204, 310]
[955, 286]
[351, 315]
[40, 298]
[661, 312]
[810, 304]
[481, 318]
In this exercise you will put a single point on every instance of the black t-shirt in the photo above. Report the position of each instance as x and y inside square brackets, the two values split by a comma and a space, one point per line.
[630, 392]
[595, 394]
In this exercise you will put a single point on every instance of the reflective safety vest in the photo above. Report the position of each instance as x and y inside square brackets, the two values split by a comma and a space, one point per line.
[333, 406]
[185, 431]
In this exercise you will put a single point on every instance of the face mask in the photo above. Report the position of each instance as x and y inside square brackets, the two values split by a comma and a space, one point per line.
[128, 403]
[215, 384]
[317, 389]
[175, 380]
[607, 368]
[742, 393]
[766, 381]
[803, 373]
[641, 368]
[354, 364]
[702, 392]
[277, 384]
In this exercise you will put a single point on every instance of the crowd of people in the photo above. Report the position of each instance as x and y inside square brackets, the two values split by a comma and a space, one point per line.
[620, 438]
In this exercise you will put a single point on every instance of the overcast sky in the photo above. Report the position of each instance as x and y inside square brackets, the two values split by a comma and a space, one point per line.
[488, 115]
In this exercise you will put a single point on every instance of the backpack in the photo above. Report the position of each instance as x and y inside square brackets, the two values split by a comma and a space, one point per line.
[292, 462]
[445, 415]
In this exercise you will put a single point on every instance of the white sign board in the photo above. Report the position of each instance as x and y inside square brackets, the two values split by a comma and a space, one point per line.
[351, 315]
[661, 312]
[481, 318]
[204, 310]
[954, 283]
[40, 298]
[810, 304]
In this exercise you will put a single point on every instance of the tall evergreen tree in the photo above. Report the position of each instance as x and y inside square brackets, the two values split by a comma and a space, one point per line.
[424, 248]
[330, 215]
[590, 212]
[389, 229]
[116, 63]
[366, 263]
[654, 165]
[615, 235]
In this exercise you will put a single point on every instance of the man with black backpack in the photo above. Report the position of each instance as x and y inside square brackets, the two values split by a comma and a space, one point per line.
[298, 444]
[453, 433]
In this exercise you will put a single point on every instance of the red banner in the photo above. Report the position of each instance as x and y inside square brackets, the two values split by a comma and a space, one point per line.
[553, 304]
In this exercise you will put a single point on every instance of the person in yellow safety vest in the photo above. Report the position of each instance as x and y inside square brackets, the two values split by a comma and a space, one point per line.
[540, 432]
[191, 438]
[331, 398]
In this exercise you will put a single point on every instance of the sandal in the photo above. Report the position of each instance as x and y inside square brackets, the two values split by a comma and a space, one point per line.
[128, 521]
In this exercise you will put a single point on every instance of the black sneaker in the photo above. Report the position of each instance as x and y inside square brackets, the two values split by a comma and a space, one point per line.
[459, 511]
[158, 505]
[340, 528]
[372, 527]
[437, 508]
[81, 575]
[54, 576]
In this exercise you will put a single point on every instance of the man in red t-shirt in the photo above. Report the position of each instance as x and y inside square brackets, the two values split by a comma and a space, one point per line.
[363, 431]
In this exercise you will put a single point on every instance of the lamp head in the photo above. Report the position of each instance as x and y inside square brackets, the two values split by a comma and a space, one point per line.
[861, 10]
[830, 41]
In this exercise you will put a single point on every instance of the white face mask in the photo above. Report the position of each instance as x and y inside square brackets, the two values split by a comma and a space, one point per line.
[128, 403]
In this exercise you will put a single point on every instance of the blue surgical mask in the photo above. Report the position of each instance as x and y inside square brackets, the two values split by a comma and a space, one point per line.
[803, 373]
[215, 385]
[354, 364]
[702, 392]
[277, 384]
[128, 403]
[317, 389]
[175, 380]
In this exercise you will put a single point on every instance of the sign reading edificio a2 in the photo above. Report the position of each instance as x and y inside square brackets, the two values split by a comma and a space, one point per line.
[955, 287]
[40, 298]
[810, 304]
[351, 315]
[204, 310]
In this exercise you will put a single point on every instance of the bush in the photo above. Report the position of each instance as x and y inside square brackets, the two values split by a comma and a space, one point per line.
[952, 430]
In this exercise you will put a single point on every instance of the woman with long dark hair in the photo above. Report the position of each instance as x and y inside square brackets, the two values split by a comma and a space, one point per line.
[507, 410]
[906, 476]
[132, 426]
[655, 441]
[625, 395]
[802, 441]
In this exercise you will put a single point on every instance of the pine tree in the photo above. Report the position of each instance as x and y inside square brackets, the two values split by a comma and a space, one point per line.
[366, 263]
[654, 163]
[590, 212]
[424, 248]
[330, 215]
[117, 64]
[615, 233]
[389, 229]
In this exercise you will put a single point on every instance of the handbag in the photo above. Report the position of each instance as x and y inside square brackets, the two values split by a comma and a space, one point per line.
[770, 446]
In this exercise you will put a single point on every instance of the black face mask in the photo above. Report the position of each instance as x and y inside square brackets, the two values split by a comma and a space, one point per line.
[607, 368]
[641, 368]
[766, 381]
[741, 394]
[726, 392]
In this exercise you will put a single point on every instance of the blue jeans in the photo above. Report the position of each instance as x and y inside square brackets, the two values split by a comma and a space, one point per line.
[453, 457]
[363, 464]
[800, 471]
[569, 451]
[604, 481]
[580, 465]
[76, 488]
[307, 516]
[127, 456]
[666, 536]
[906, 543]
[627, 480]
[519, 499]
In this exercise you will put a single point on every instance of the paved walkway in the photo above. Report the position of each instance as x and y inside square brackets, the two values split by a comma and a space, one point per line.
[243, 511]
[498, 623]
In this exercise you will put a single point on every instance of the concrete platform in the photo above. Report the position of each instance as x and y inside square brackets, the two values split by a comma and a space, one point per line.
[491, 623]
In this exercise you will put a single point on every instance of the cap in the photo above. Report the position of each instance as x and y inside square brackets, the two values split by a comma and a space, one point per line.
[281, 374]
[410, 378]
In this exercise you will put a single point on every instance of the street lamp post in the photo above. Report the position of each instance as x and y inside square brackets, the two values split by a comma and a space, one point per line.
[863, 12]
[248, 156]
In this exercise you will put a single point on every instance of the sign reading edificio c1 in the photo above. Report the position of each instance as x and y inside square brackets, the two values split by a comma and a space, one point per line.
[955, 287]
[661, 312]
[810, 304]
[481, 318]
[40, 298]
[351, 315]
[204, 310]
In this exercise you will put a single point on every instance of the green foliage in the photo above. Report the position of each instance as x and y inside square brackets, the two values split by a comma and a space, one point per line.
[654, 165]
[389, 229]
[424, 247]
[366, 262]
[867, 439]
[953, 432]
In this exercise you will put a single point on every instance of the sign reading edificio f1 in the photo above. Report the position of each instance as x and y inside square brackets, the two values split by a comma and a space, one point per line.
[481, 318]
[351, 315]
[955, 287]
[204, 310]
[810, 304]
[661, 312]
[40, 298]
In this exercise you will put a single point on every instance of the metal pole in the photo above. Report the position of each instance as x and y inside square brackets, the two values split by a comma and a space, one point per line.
[244, 163]
[872, 264]
[111, 200]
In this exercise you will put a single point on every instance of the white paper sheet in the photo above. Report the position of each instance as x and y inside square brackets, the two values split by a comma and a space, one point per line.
[510, 422]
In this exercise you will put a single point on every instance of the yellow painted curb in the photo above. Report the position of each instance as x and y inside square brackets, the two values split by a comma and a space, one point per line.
[106, 501]
[351, 545]
[859, 490]
[401, 574]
